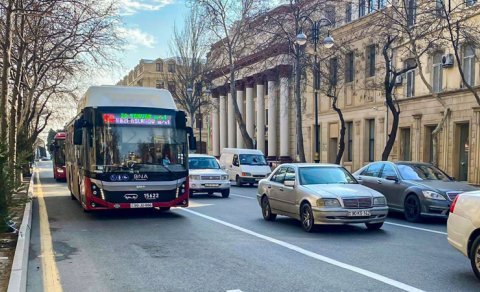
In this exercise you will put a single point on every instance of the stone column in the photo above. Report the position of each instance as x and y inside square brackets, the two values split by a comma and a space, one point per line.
[260, 113]
[249, 114]
[285, 72]
[272, 116]
[215, 123]
[416, 146]
[240, 92]
[223, 119]
[231, 123]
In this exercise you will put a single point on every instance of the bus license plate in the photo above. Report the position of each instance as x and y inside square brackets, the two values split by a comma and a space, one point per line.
[358, 213]
[141, 205]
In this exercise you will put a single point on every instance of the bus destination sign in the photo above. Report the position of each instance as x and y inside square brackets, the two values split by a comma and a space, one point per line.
[138, 119]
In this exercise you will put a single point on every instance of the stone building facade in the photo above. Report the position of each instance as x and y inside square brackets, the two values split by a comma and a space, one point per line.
[265, 97]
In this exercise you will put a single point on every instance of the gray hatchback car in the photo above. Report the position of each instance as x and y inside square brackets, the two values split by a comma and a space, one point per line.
[417, 189]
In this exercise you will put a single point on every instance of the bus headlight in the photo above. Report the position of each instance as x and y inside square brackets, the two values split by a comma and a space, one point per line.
[97, 192]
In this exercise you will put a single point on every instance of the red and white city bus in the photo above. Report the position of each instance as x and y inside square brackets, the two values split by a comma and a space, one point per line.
[57, 150]
[128, 148]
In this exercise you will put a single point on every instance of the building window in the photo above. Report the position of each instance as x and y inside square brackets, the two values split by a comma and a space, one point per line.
[348, 13]
[349, 132]
[159, 67]
[361, 8]
[330, 14]
[371, 140]
[349, 67]
[171, 67]
[437, 73]
[171, 87]
[411, 12]
[468, 66]
[371, 61]
[159, 84]
[333, 70]
[410, 78]
[405, 146]
[470, 2]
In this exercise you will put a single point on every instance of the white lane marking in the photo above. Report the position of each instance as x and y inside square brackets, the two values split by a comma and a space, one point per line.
[235, 195]
[313, 255]
[416, 228]
[236, 290]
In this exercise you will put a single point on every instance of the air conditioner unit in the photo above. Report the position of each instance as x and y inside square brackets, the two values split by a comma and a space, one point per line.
[399, 80]
[447, 61]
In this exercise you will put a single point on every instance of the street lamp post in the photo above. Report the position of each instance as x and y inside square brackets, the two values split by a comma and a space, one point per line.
[301, 40]
[199, 117]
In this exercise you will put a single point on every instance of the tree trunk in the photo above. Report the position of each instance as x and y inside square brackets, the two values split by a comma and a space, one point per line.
[238, 116]
[7, 56]
[298, 108]
[341, 144]
[392, 136]
[435, 138]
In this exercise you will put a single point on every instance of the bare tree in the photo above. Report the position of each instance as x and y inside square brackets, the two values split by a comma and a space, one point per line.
[189, 48]
[228, 22]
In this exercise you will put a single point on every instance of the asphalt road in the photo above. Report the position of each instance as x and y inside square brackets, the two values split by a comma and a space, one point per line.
[224, 244]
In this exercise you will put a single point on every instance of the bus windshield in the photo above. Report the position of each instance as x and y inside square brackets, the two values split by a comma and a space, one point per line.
[59, 153]
[140, 148]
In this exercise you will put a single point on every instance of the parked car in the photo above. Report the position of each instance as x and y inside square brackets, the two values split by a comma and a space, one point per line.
[464, 227]
[415, 188]
[320, 194]
[244, 165]
[206, 176]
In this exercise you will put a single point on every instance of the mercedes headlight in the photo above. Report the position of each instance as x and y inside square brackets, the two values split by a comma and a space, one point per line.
[329, 203]
[433, 195]
[379, 201]
[224, 177]
[194, 177]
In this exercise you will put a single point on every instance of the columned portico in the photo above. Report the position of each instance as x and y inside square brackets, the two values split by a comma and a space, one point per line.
[231, 123]
[240, 93]
[272, 116]
[223, 119]
[215, 124]
[260, 113]
[285, 73]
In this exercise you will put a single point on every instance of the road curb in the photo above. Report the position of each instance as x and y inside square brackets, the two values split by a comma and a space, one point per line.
[18, 275]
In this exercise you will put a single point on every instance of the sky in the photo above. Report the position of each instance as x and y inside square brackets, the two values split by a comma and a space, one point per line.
[148, 29]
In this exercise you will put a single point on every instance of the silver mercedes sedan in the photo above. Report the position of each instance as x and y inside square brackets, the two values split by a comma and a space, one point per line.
[320, 194]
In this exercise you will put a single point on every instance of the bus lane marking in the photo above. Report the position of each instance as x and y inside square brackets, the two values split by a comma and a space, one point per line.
[311, 254]
[51, 276]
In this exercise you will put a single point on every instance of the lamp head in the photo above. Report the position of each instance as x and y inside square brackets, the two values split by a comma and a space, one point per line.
[301, 39]
[328, 42]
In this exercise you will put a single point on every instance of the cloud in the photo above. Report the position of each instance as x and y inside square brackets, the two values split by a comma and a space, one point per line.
[136, 38]
[130, 7]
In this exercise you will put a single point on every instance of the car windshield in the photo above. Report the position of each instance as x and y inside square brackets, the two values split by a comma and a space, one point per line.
[202, 163]
[421, 172]
[252, 159]
[325, 175]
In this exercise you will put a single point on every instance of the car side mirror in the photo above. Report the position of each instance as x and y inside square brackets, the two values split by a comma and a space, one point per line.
[289, 183]
[392, 177]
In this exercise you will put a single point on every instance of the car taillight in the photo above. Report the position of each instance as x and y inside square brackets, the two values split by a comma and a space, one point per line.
[452, 207]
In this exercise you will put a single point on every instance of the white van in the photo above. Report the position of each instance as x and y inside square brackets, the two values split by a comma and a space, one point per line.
[244, 165]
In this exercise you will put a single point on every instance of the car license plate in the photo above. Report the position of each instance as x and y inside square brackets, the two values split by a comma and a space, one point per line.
[141, 205]
[211, 185]
[358, 213]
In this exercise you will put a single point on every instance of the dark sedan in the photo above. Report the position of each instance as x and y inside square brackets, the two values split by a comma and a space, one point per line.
[417, 189]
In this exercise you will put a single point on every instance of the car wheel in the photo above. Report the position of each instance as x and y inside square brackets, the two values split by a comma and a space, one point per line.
[238, 182]
[475, 257]
[267, 210]
[413, 209]
[374, 226]
[306, 216]
[225, 194]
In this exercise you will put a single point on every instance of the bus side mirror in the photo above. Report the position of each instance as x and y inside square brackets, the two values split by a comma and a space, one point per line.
[77, 136]
[181, 120]
[192, 142]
